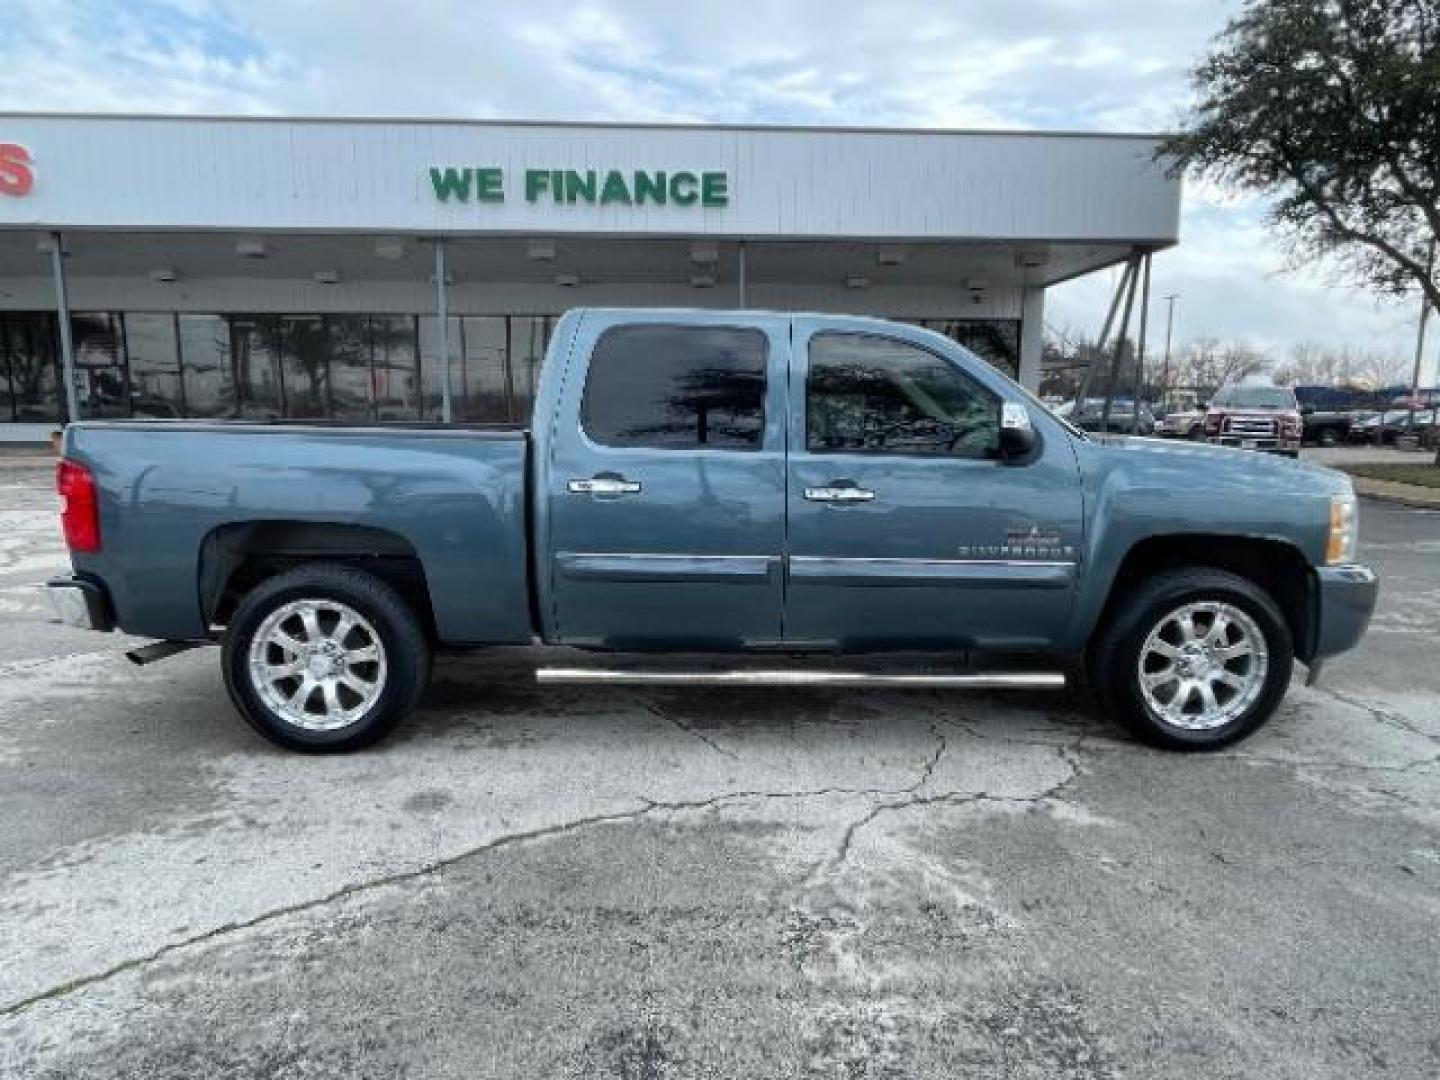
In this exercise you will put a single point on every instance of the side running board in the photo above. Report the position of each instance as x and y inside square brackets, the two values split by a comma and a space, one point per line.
[970, 680]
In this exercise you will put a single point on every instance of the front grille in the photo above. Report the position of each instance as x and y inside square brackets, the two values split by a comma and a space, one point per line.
[1250, 427]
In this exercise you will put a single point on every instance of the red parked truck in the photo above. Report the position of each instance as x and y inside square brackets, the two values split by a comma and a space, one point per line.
[1255, 418]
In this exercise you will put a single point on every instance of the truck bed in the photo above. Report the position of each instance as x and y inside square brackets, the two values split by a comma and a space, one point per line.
[455, 496]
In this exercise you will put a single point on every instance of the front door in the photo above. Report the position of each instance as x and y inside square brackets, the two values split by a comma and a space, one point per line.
[906, 529]
[667, 500]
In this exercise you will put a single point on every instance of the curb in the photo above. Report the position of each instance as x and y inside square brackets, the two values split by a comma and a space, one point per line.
[1401, 494]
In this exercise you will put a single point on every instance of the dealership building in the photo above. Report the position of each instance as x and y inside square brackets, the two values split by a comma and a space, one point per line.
[322, 268]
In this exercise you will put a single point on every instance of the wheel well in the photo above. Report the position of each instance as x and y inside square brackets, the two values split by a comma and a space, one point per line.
[1273, 565]
[236, 558]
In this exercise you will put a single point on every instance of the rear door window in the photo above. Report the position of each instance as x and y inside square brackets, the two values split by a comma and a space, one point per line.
[677, 388]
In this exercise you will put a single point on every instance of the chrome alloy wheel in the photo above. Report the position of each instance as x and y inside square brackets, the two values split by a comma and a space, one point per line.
[317, 664]
[1202, 666]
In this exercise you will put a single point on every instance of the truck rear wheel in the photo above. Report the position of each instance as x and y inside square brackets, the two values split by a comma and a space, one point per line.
[325, 658]
[1193, 659]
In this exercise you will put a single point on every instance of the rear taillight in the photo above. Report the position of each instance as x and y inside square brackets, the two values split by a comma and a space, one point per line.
[79, 506]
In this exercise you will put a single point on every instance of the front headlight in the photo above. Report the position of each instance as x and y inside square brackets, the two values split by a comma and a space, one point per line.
[1344, 530]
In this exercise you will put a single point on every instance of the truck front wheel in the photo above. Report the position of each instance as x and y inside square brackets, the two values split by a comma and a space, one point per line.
[1193, 659]
[325, 658]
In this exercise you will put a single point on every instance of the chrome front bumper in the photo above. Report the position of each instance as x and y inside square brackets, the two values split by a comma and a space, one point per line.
[80, 603]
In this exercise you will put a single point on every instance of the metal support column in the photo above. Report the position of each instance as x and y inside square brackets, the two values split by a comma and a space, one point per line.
[62, 309]
[1140, 347]
[1114, 372]
[1032, 338]
[1131, 263]
[442, 312]
[741, 275]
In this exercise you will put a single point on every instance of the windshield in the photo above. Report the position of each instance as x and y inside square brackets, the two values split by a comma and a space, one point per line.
[1255, 397]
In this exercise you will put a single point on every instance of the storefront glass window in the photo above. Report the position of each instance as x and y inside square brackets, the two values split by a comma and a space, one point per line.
[155, 387]
[257, 365]
[100, 381]
[529, 336]
[431, 369]
[28, 340]
[394, 367]
[348, 337]
[304, 348]
[208, 376]
[487, 392]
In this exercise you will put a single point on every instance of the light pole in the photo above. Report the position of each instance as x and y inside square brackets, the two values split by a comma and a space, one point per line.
[1169, 299]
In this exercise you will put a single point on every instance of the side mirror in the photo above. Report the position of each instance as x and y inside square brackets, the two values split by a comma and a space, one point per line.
[1017, 434]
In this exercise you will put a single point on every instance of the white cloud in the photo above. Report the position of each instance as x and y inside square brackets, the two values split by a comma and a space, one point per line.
[1080, 64]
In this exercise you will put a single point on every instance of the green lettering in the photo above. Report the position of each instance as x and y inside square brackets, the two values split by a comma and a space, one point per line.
[578, 185]
[557, 184]
[614, 189]
[489, 186]
[682, 188]
[714, 189]
[650, 186]
[451, 181]
[536, 181]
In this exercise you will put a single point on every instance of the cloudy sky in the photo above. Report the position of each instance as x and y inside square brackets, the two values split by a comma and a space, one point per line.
[1108, 65]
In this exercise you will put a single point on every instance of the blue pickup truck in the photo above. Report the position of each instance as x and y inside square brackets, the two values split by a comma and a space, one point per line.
[811, 499]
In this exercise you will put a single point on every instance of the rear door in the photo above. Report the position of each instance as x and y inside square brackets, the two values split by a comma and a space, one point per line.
[906, 529]
[666, 501]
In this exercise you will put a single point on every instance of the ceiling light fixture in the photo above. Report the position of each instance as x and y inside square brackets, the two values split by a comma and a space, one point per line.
[541, 250]
[702, 281]
[391, 248]
[857, 281]
[890, 256]
[250, 248]
[567, 281]
[327, 277]
[704, 252]
[163, 275]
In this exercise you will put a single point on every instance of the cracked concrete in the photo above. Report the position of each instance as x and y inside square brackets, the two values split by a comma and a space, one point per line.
[533, 881]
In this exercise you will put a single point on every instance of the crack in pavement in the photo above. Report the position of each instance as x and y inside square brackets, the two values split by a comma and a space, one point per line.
[1384, 716]
[647, 806]
[692, 731]
[951, 798]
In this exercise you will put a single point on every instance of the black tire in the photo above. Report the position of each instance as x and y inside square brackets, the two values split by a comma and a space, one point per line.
[406, 652]
[1114, 655]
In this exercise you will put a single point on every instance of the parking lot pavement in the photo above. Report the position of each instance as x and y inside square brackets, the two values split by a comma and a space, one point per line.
[542, 882]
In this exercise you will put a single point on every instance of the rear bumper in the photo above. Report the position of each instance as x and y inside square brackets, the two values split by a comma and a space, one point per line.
[1347, 600]
[80, 603]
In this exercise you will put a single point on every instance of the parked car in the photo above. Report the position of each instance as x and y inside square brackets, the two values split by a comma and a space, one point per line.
[1326, 428]
[1383, 428]
[1181, 424]
[1255, 418]
[1090, 416]
[725, 482]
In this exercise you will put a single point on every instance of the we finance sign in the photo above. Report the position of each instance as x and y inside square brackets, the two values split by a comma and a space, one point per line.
[572, 187]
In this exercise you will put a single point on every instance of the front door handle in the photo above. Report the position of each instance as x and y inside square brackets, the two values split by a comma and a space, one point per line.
[836, 493]
[604, 485]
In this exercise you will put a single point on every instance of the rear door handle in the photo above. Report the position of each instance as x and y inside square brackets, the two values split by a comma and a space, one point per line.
[604, 485]
[835, 494]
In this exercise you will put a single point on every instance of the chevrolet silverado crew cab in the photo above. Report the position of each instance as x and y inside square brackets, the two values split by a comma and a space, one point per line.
[808, 499]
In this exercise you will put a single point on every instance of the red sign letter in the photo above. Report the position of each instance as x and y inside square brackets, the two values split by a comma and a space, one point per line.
[16, 176]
